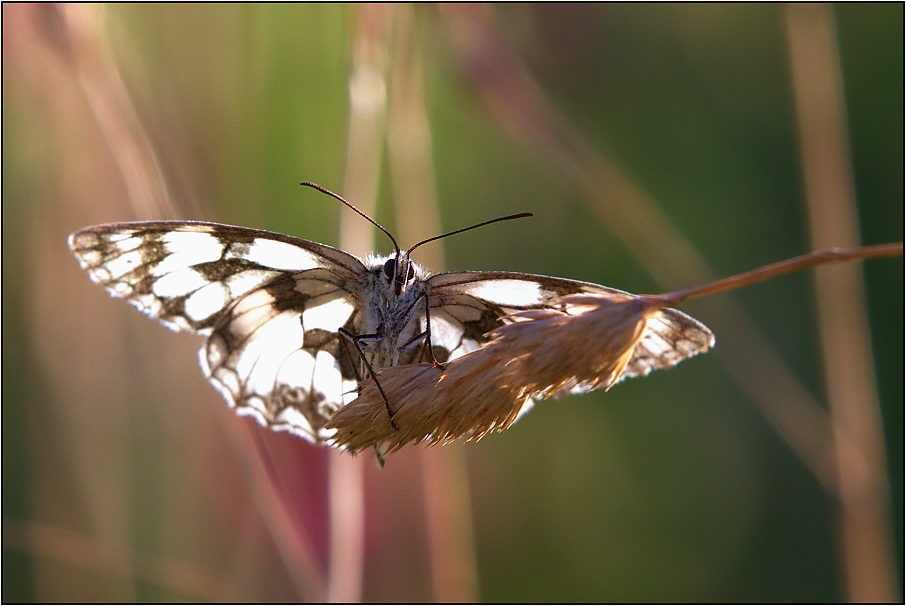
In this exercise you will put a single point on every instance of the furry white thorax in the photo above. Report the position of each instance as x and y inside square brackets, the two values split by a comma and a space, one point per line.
[391, 318]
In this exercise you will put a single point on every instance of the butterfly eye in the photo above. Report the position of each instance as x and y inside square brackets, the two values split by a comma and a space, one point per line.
[410, 274]
[390, 268]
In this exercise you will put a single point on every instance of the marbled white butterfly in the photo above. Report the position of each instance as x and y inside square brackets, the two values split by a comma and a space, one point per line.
[292, 326]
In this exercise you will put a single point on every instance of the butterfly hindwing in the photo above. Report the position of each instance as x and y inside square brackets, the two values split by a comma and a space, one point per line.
[276, 355]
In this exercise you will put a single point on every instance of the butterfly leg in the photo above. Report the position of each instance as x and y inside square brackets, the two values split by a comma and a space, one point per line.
[428, 352]
[345, 341]
[354, 339]
[429, 349]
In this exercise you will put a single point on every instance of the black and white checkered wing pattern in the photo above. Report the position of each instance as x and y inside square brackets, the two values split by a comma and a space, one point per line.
[271, 306]
[473, 303]
[465, 306]
[276, 354]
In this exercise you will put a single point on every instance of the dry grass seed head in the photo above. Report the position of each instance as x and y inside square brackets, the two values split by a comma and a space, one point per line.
[539, 353]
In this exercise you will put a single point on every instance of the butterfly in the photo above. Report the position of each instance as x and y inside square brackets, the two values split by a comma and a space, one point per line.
[294, 326]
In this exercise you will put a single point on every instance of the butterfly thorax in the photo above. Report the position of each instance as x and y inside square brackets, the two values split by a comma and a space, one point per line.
[392, 310]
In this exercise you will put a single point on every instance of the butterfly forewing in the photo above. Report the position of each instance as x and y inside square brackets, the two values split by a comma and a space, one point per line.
[184, 274]
[477, 302]
[481, 300]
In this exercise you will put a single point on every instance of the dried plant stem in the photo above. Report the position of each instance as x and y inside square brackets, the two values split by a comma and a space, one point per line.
[277, 512]
[782, 268]
[444, 479]
[93, 62]
[367, 127]
[77, 34]
[858, 438]
[346, 492]
[448, 509]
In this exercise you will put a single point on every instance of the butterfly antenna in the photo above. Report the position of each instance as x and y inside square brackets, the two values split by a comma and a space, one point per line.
[346, 202]
[482, 224]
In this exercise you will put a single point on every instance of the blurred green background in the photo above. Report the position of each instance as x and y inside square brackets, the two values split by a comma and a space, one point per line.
[670, 488]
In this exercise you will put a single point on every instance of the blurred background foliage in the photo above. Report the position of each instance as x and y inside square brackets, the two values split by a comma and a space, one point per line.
[671, 488]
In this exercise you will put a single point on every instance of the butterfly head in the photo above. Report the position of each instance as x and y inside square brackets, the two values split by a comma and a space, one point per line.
[399, 271]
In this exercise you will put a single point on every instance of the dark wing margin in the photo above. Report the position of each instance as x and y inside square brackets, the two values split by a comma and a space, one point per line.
[481, 300]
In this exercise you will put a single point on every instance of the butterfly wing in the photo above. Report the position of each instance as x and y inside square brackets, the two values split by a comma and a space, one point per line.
[276, 354]
[270, 304]
[185, 273]
[471, 304]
